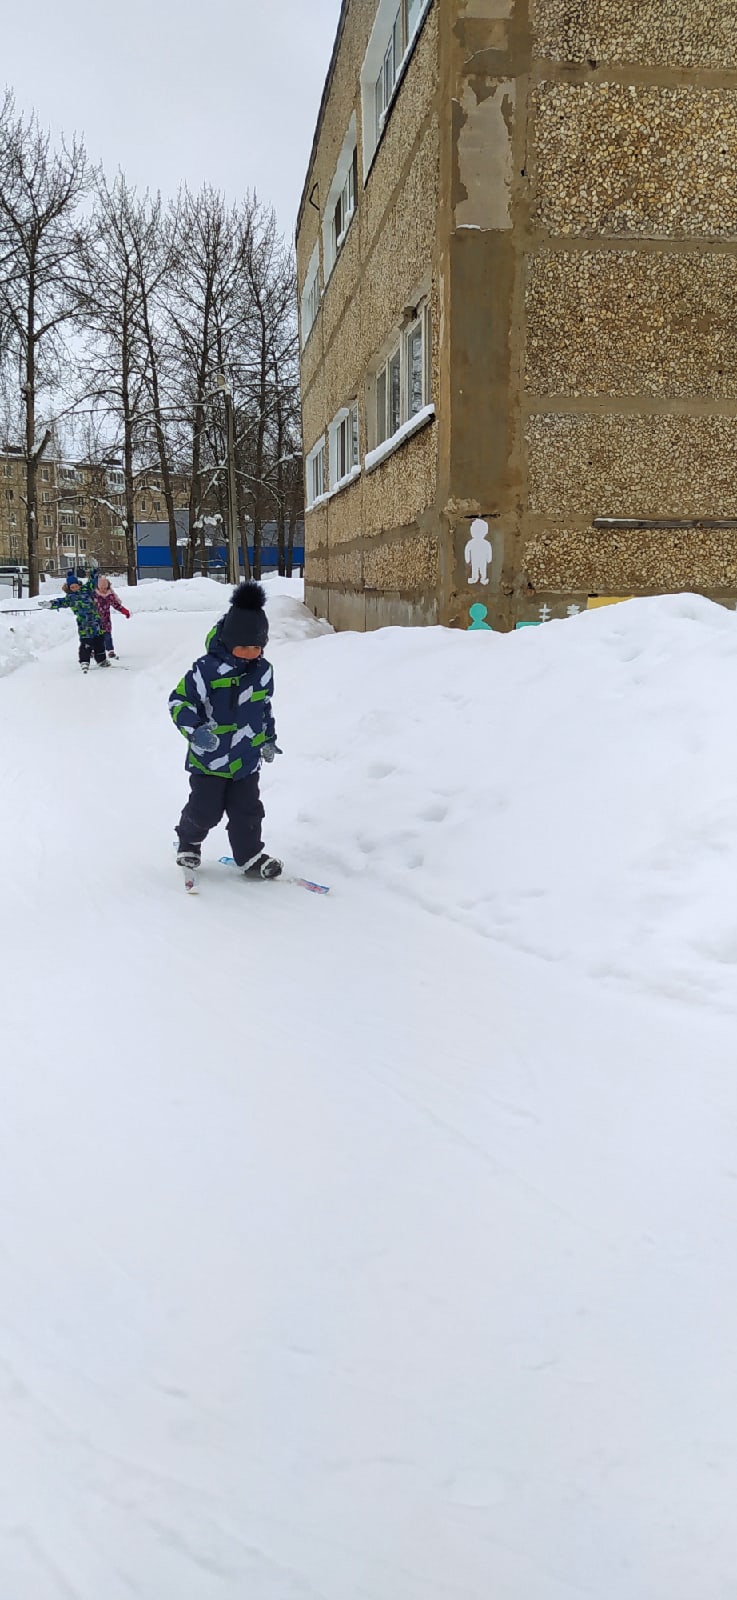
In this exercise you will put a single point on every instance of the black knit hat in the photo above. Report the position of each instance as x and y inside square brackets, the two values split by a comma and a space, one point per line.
[246, 621]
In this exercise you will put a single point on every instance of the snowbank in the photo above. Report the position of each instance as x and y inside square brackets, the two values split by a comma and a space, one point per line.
[27, 631]
[570, 790]
[347, 1252]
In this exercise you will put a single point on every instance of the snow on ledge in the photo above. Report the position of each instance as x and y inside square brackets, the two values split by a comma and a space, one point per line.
[412, 425]
[350, 477]
[342, 483]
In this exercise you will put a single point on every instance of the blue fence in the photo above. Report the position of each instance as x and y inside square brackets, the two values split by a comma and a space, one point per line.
[159, 557]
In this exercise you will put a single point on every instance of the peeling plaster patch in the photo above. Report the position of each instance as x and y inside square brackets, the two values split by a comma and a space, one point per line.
[486, 10]
[485, 158]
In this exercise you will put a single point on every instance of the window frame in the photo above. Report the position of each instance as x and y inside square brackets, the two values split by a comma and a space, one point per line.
[345, 180]
[387, 411]
[310, 297]
[384, 64]
[316, 490]
[344, 447]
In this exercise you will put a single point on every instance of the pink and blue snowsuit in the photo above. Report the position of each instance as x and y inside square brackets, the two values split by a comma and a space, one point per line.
[104, 602]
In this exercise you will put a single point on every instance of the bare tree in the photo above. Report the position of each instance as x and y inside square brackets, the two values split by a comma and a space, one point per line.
[154, 238]
[40, 248]
[116, 367]
[203, 311]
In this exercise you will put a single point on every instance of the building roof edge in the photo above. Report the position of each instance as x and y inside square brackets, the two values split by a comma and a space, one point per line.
[321, 113]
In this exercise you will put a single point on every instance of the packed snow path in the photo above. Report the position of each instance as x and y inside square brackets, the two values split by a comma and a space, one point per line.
[347, 1250]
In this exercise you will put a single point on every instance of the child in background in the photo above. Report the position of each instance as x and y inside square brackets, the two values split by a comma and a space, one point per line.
[80, 598]
[223, 708]
[105, 598]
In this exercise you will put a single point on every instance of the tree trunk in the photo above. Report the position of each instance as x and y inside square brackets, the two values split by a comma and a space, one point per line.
[131, 553]
[31, 463]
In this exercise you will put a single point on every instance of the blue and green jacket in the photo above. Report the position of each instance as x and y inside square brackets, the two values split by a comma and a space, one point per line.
[84, 607]
[231, 697]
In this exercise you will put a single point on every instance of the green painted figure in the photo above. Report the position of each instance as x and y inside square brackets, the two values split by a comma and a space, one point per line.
[477, 614]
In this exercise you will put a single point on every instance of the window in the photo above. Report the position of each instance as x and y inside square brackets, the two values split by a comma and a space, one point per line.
[14, 544]
[48, 544]
[13, 520]
[157, 505]
[402, 383]
[344, 456]
[345, 205]
[311, 294]
[47, 519]
[7, 469]
[10, 494]
[44, 474]
[143, 503]
[316, 484]
[392, 37]
[45, 498]
[68, 541]
[66, 519]
[341, 200]
[83, 522]
[83, 544]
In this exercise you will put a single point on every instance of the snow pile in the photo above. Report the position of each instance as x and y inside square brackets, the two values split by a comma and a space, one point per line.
[26, 636]
[347, 1254]
[570, 790]
[27, 631]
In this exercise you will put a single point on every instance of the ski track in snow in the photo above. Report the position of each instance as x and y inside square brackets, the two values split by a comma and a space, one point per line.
[348, 1251]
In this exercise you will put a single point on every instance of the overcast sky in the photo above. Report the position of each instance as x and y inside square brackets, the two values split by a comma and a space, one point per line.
[218, 91]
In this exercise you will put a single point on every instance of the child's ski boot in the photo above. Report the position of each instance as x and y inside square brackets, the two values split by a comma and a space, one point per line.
[263, 866]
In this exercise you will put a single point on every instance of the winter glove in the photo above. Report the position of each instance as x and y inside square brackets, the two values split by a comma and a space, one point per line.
[268, 751]
[125, 613]
[204, 741]
[44, 605]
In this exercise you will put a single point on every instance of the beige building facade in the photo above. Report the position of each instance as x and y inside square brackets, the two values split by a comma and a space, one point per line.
[81, 511]
[517, 263]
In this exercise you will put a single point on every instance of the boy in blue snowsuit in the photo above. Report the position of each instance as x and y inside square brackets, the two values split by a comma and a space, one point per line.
[80, 598]
[223, 708]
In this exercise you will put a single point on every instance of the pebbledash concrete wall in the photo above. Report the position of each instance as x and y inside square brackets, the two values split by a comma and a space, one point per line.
[371, 551]
[566, 170]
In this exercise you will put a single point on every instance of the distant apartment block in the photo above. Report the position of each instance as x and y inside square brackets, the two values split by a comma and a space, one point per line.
[81, 511]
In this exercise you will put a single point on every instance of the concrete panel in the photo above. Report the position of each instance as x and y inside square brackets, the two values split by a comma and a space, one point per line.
[635, 159]
[346, 611]
[623, 322]
[404, 565]
[632, 466]
[391, 611]
[668, 33]
[630, 562]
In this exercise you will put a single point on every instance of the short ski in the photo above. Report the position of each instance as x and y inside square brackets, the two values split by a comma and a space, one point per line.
[284, 877]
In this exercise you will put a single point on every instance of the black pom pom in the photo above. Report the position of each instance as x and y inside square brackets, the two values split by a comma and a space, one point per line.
[248, 597]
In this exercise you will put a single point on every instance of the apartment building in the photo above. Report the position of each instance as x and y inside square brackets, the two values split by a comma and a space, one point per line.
[517, 262]
[81, 511]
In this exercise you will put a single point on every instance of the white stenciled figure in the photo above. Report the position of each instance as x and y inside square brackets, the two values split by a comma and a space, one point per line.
[479, 553]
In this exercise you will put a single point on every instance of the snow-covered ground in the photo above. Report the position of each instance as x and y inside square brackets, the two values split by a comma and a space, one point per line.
[376, 1246]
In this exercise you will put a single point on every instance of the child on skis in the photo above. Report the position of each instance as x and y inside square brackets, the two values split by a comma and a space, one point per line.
[80, 598]
[105, 599]
[223, 708]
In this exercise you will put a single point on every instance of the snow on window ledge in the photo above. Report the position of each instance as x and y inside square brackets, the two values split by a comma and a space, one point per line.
[350, 477]
[320, 500]
[413, 424]
[342, 483]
